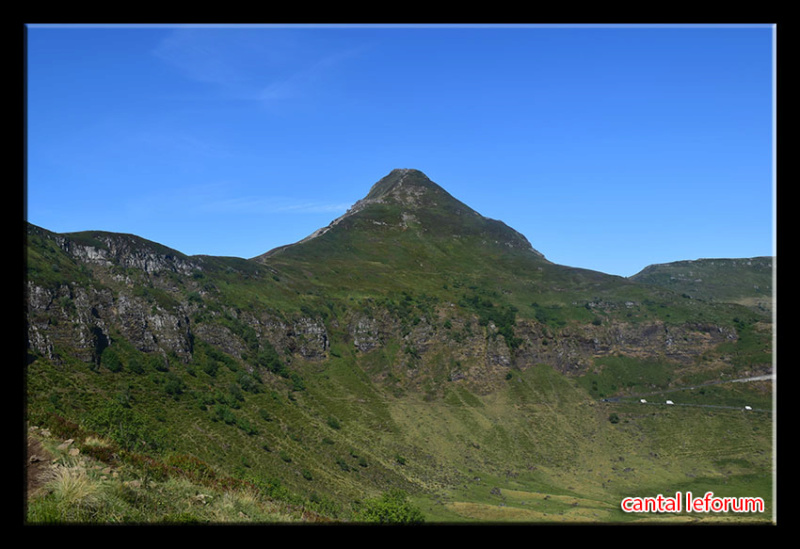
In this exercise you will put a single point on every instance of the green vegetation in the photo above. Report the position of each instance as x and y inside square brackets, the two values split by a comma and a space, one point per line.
[503, 317]
[92, 483]
[708, 280]
[393, 507]
[626, 374]
[415, 362]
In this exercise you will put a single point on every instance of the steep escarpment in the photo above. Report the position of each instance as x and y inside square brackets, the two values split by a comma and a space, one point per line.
[126, 289]
[312, 365]
[433, 278]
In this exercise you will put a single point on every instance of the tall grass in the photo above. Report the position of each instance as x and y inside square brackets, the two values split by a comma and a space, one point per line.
[80, 490]
[71, 496]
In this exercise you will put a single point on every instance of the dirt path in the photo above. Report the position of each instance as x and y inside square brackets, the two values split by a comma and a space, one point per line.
[37, 465]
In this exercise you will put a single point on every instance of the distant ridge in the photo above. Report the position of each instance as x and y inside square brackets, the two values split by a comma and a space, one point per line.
[746, 281]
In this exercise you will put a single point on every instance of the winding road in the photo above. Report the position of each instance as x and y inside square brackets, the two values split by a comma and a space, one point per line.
[640, 396]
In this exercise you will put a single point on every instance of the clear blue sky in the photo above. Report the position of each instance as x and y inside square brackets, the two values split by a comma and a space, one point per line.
[608, 147]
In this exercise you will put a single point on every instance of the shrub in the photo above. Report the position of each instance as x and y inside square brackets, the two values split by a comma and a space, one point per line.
[245, 425]
[211, 367]
[174, 385]
[268, 358]
[297, 382]
[392, 507]
[110, 359]
[127, 428]
[265, 415]
[247, 382]
[135, 365]
[235, 394]
[158, 363]
[224, 414]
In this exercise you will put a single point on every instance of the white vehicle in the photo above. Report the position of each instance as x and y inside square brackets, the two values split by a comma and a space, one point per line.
[643, 401]
[670, 402]
[748, 408]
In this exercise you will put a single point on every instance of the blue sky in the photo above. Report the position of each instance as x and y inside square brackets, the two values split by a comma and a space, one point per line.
[608, 147]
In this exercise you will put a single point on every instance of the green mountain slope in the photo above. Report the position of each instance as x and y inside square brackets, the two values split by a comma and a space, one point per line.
[411, 345]
[404, 233]
[748, 281]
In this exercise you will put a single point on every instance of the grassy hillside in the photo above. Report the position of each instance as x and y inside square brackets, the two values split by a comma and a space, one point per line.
[539, 449]
[413, 349]
[747, 281]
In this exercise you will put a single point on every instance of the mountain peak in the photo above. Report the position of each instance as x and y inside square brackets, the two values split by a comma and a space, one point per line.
[401, 180]
[407, 198]
[402, 185]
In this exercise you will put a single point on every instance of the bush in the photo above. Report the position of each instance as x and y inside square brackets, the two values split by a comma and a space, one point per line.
[174, 385]
[224, 414]
[392, 507]
[135, 365]
[244, 424]
[158, 363]
[235, 395]
[127, 428]
[110, 359]
[211, 367]
[268, 358]
[247, 382]
[297, 382]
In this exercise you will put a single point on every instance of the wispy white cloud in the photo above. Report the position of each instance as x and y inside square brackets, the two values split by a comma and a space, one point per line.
[263, 64]
[316, 207]
[226, 198]
[304, 79]
[178, 143]
[259, 205]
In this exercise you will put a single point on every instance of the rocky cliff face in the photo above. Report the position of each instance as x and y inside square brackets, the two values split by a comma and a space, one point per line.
[150, 298]
[572, 349]
[87, 292]
[146, 296]
[87, 320]
[126, 251]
